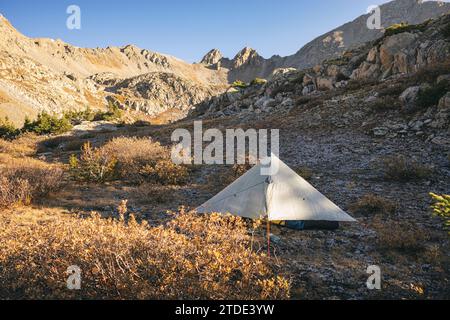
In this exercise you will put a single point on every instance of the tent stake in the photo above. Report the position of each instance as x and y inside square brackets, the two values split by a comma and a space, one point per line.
[268, 237]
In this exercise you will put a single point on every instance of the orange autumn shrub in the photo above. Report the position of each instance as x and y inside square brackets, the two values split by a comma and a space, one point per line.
[23, 180]
[192, 257]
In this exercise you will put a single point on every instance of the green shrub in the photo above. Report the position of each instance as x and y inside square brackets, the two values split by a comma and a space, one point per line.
[76, 117]
[391, 91]
[428, 97]
[47, 124]
[114, 113]
[342, 61]
[239, 84]
[7, 129]
[441, 208]
[94, 165]
[258, 82]
[405, 27]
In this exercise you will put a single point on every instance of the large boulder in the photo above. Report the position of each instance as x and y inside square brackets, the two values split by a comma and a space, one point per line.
[395, 51]
[324, 83]
[408, 99]
[366, 70]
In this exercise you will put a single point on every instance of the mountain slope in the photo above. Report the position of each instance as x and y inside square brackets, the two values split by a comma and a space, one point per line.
[50, 75]
[248, 65]
[356, 32]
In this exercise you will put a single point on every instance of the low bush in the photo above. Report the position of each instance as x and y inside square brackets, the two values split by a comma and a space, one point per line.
[114, 113]
[405, 27]
[400, 237]
[390, 90]
[149, 193]
[342, 77]
[24, 180]
[165, 172]
[94, 165]
[239, 84]
[14, 192]
[342, 61]
[385, 104]
[399, 168]
[77, 117]
[441, 208]
[193, 257]
[258, 82]
[7, 129]
[74, 145]
[371, 204]
[133, 154]
[428, 74]
[47, 124]
[132, 159]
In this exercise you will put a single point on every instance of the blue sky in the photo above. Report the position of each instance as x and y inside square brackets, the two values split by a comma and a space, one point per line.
[187, 29]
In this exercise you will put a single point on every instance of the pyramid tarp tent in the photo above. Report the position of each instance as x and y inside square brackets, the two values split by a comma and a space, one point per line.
[282, 196]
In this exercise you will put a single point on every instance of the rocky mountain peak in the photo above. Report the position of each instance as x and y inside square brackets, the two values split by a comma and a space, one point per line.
[212, 57]
[247, 56]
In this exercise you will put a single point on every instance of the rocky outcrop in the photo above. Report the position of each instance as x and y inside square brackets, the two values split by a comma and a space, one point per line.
[347, 37]
[158, 92]
[408, 98]
[355, 33]
[406, 52]
[356, 88]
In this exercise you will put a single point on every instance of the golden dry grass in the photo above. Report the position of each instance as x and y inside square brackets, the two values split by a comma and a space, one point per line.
[137, 160]
[15, 149]
[192, 257]
[23, 180]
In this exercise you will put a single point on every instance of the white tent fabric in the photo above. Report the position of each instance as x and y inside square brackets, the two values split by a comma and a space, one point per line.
[283, 196]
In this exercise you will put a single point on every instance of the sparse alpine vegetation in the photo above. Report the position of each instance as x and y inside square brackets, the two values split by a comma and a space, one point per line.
[441, 208]
[405, 27]
[370, 205]
[7, 129]
[47, 124]
[193, 257]
[131, 159]
[23, 180]
[399, 168]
